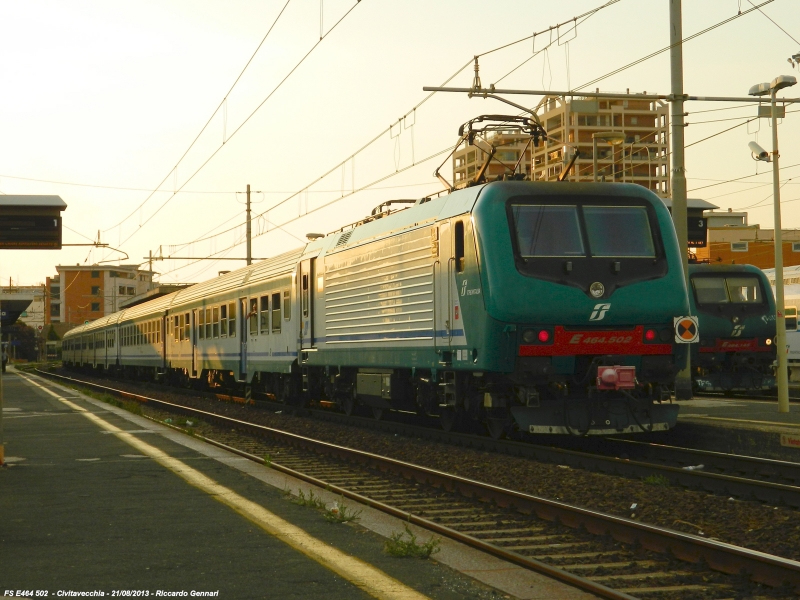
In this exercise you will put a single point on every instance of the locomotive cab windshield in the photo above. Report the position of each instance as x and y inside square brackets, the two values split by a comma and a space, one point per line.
[728, 294]
[583, 239]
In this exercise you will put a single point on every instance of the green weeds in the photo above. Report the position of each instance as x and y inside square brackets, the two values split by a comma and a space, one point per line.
[339, 512]
[657, 480]
[397, 546]
[310, 500]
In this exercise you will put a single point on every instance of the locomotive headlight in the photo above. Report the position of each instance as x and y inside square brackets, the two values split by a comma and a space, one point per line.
[769, 342]
[597, 289]
[529, 336]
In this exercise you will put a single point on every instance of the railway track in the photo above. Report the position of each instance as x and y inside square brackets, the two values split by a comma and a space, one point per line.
[610, 556]
[773, 482]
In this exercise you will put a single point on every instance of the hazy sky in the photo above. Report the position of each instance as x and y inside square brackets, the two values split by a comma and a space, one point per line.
[101, 100]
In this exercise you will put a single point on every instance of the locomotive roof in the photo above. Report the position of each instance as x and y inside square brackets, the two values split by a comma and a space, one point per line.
[419, 215]
[720, 268]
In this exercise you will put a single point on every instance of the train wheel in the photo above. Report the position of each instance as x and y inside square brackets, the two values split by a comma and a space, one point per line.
[496, 427]
[377, 413]
[348, 404]
[449, 418]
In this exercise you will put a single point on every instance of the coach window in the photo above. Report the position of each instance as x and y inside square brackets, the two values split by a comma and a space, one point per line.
[232, 319]
[264, 317]
[790, 316]
[176, 327]
[187, 324]
[201, 324]
[459, 246]
[216, 321]
[158, 331]
[209, 333]
[276, 312]
[287, 305]
[253, 316]
[223, 318]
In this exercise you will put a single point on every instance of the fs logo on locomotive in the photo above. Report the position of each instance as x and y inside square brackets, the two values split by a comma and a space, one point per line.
[599, 312]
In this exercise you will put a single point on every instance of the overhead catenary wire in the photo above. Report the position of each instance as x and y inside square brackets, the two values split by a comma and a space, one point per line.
[213, 114]
[352, 156]
[246, 120]
[380, 135]
[331, 202]
[662, 50]
[588, 13]
[774, 23]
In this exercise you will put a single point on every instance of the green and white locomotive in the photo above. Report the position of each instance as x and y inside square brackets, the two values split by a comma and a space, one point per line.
[736, 311]
[546, 307]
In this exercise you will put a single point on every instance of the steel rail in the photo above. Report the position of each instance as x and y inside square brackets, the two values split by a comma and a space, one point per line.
[739, 486]
[727, 558]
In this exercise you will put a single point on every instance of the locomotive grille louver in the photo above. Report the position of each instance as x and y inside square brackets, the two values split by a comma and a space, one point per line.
[343, 238]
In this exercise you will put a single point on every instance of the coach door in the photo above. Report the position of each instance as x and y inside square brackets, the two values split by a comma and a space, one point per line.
[193, 337]
[443, 292]
[241, 331]
[305, 284]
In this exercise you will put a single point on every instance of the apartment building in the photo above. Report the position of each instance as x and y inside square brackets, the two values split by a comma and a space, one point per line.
[88, 292]
[632, 144]
[510, 146]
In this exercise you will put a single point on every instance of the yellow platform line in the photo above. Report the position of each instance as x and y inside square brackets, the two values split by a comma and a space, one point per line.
[371, 580]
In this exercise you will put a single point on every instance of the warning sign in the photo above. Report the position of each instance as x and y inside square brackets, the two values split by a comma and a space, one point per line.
[686, 330]
[791, 441]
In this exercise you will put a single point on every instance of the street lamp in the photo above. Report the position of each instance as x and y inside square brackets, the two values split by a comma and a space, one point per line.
[610, 137]
[759, 153]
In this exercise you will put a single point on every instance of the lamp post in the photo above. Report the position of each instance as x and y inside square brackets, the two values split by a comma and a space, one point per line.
[610, 137]
[763, 89]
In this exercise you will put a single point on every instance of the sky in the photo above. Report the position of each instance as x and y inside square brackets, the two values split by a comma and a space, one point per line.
[144, 119]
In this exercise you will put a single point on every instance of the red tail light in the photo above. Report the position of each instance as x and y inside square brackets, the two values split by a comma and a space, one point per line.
[650, 335]
[544, 336]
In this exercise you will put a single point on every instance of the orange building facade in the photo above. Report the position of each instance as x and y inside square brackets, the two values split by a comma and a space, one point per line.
[749, 245]
[86, 293]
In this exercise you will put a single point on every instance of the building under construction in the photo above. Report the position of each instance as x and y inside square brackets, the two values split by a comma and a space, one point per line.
[632, 141]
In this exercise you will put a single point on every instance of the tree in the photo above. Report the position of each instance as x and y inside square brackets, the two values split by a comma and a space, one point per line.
[27, 348]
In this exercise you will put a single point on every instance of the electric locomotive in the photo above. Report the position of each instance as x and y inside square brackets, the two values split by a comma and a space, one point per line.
[545, 307]
[736, 313]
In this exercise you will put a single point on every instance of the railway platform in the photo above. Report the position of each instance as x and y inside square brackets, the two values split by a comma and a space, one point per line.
[95, 500]
[739, 425]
